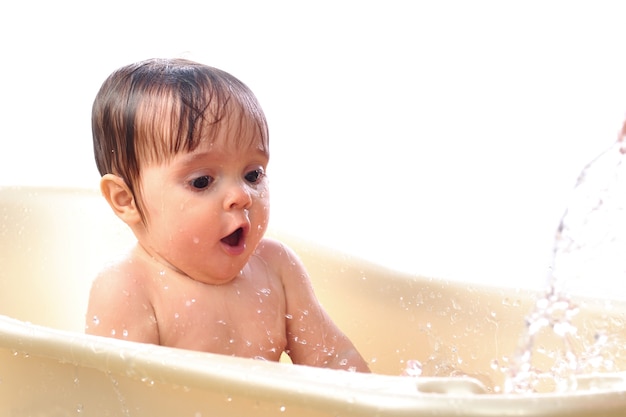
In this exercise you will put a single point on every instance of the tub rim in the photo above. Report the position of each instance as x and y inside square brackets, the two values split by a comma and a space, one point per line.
[326, 389]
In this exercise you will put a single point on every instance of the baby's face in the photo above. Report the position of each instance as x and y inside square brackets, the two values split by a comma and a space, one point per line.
[206, 211]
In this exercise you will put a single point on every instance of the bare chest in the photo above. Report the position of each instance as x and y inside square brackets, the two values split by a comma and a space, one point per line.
[241, 320]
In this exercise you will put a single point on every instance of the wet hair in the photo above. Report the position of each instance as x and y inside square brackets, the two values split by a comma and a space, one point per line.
[149, 111]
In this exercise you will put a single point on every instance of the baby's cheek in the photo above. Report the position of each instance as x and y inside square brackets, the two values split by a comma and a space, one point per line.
[262, 209]
[193, 240]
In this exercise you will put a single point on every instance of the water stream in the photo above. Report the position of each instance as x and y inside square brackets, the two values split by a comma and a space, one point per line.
[588, 259]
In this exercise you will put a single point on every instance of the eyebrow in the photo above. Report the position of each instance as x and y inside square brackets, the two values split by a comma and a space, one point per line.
[192, 157]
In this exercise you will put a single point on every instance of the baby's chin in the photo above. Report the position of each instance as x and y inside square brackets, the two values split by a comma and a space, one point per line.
[214, 280]
[223, 278]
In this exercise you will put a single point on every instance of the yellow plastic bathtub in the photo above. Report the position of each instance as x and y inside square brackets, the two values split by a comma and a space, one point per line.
[52, 242]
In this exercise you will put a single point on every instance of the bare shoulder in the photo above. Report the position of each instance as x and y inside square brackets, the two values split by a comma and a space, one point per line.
[282, 259]
[119, 301]
[123, 277]
[272, 248]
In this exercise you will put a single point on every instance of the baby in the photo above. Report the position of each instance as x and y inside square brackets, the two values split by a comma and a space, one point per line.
[183, 150]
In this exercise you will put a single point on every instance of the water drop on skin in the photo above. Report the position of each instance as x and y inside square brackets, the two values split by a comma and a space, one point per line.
[96, 320]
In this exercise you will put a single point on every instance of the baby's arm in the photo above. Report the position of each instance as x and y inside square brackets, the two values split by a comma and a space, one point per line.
[118, 307]
[312, 337]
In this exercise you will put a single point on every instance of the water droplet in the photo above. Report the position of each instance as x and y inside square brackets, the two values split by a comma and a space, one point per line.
[282, 408]
[95, 320]
[196, 240]
[413, 368]
[125, 333]
[147, 381]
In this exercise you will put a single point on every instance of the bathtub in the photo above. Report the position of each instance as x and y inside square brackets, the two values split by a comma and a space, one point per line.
[53, 241]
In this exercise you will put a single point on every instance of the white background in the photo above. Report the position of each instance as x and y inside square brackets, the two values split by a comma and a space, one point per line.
[440, 138]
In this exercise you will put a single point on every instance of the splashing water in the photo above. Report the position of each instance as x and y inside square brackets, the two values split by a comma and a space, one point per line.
[589, 241]
[588, 258]
[551, 317]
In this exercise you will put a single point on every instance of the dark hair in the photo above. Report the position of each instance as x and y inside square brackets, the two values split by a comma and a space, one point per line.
[151, 110]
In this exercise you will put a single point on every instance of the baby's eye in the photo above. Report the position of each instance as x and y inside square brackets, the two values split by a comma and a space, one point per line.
[202, 182]
[254, 175]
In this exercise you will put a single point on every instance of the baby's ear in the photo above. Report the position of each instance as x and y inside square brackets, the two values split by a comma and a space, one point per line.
[120, 198]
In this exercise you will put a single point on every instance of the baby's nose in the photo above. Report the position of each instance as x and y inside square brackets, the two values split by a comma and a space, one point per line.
[238, 197]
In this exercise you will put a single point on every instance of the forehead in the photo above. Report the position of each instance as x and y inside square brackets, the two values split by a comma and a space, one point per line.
[231, 128]
[235, 137]
[218, 154]
[237, 131]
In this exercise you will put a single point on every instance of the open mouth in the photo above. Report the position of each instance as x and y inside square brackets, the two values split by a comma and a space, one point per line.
[234, 239]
